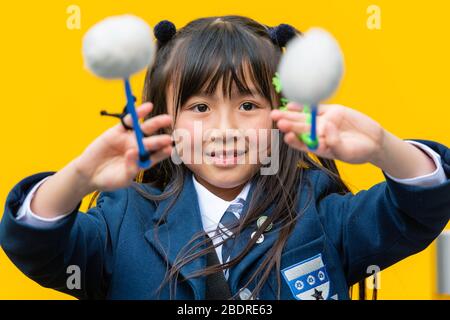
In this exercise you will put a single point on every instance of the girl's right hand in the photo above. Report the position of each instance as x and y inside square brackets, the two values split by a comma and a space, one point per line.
[110, 161]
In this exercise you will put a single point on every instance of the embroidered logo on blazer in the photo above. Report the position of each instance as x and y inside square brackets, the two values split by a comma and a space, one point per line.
[308, 280]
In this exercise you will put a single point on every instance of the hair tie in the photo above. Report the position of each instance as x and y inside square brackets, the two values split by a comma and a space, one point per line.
[164, 31]
[121, 116]
[281, 34]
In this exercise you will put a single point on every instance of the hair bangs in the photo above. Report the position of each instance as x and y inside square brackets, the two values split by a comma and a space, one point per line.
[223, 55]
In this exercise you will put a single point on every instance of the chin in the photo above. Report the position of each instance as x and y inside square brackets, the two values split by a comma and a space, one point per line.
[225, 178]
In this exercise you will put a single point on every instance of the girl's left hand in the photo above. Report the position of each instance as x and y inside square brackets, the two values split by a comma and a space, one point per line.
[344, 133]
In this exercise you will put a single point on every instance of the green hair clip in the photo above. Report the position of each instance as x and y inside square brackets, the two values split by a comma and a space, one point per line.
[306, 138]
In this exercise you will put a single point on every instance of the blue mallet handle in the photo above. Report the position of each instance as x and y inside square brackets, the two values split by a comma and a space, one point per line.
[314, 127]
[144, 156]
[310, 139]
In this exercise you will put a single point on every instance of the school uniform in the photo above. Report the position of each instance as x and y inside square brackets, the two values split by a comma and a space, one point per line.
[121, 253]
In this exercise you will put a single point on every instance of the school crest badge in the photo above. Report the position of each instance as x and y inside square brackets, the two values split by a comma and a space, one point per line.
[308, 280]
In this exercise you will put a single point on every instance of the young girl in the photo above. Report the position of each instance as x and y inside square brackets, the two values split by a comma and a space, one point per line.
[220, 228]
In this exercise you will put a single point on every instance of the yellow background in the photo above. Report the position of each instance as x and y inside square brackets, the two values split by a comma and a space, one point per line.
[50, 105]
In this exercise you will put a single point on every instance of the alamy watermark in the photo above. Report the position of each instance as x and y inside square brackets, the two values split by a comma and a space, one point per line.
[374, 280]
[227, 147]
[73, 21]
[74, 277]
[374, 17]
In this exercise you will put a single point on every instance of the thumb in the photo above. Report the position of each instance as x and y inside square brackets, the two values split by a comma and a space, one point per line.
[131, 166]
[332, 137]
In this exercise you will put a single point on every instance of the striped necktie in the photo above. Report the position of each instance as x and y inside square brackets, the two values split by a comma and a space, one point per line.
[230, 218]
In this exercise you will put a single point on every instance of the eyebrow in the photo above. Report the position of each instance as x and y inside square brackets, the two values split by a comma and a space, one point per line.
[252, 93]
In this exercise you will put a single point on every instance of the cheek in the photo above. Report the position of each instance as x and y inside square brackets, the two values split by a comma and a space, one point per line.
[182, 134]
[262, 126]
[260, 120]
[188, 138]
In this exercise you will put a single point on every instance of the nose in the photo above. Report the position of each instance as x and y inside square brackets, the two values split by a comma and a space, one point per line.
[226, 128]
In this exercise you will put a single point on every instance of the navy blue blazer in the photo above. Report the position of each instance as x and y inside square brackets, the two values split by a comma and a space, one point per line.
[333, 245]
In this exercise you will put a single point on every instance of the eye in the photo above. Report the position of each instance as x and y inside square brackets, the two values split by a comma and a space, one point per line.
[200, 108]
[248, 106]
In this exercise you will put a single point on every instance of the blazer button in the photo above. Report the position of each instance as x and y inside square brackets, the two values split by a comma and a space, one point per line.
[245, 294]
[261, 221]
[260, 239]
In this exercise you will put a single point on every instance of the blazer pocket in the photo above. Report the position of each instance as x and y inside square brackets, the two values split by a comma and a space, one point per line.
[305, 273]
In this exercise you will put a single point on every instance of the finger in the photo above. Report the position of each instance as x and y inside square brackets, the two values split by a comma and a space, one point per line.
[323, 108]
[331, 135]
[155, 143]
[292, 139]
[153, 124]
[131, 164]
[294, 106]
[141, 112]
[161, 155]
[132, 157]
[289, 115]
[295, 126]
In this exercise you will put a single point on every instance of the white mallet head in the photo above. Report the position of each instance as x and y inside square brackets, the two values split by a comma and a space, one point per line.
[311, 68]
[118, 47]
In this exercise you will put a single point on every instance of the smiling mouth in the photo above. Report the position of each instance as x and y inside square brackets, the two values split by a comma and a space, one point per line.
[226, 154]
[226, 158]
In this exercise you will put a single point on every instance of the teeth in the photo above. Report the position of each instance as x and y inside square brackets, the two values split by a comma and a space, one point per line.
[224, 154]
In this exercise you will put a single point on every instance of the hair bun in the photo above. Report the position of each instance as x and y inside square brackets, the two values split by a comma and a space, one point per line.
[164, 31]
[281, 34]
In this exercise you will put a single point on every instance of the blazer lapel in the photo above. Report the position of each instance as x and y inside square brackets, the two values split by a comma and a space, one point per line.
[182, 223]
[257, 251]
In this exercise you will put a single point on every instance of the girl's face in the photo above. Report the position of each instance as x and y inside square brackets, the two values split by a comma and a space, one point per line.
[223, 139]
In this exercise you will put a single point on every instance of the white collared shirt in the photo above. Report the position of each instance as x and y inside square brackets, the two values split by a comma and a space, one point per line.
[212, 209]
